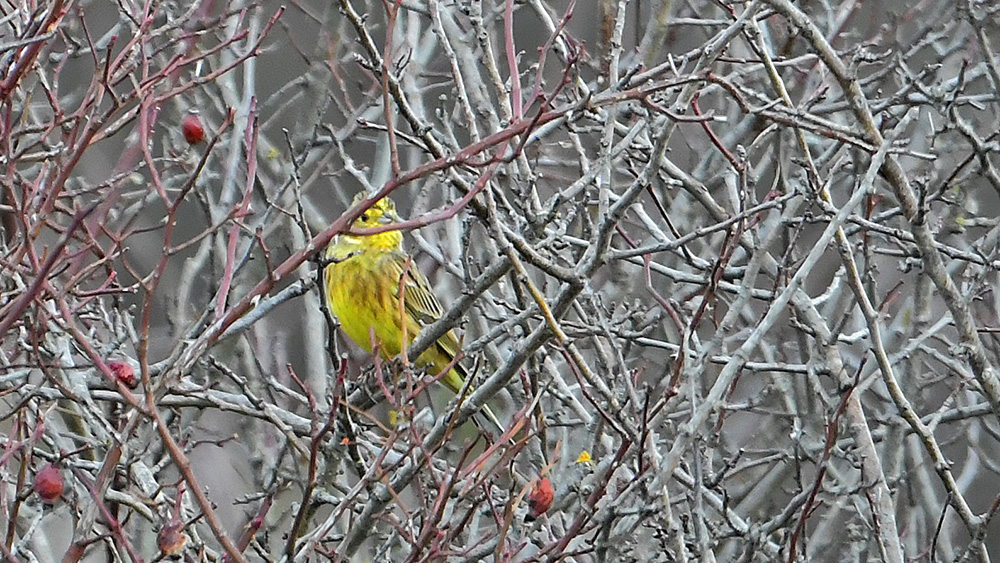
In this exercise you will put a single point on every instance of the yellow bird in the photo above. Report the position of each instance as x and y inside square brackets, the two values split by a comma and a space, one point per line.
[362, 291]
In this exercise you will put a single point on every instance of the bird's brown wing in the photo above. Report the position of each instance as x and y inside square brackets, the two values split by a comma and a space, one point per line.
[418, 297]
[422, 305]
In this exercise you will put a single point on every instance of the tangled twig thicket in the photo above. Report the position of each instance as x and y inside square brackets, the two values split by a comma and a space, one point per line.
[727, 271]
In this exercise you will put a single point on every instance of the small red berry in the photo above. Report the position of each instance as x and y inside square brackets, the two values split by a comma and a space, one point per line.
[49, 484]
[171, 538]
[194, 131]
[124, 372]
[540, 499]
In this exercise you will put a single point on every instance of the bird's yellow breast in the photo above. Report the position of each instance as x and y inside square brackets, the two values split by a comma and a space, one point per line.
[361, 295]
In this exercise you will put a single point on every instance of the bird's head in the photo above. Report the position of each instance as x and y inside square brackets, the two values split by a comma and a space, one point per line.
[382, 212]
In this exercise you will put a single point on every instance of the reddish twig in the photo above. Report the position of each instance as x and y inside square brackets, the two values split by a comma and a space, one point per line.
[242, 210]
[831, 442]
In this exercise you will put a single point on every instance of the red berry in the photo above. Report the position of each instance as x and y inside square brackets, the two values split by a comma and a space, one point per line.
[194, 132]
[171, 539]
[540, 499]
[49, 484]
[123, 371]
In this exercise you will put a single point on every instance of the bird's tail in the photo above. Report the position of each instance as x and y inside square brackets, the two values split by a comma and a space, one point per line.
[487, 413]
[455, 380]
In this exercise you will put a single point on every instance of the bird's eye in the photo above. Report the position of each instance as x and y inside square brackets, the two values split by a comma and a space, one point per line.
[364, 217]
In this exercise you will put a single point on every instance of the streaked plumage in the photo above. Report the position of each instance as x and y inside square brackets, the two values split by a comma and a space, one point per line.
[362, 290]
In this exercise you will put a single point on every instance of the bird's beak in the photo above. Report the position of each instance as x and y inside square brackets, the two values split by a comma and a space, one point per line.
[387, 218]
